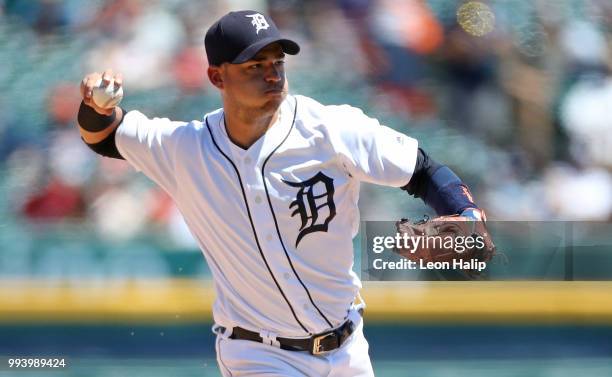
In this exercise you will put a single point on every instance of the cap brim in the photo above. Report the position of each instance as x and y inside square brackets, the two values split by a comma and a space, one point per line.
[289, 47]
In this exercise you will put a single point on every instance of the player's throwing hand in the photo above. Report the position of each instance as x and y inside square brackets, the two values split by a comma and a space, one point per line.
[88, 84]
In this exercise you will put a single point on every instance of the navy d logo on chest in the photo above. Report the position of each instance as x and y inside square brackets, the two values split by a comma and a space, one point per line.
[313, 195]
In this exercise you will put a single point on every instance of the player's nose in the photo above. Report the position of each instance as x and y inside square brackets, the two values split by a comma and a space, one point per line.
[272, 74]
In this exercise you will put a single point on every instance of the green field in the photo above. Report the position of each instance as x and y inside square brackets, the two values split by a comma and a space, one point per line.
[440, 350]
[437, 368]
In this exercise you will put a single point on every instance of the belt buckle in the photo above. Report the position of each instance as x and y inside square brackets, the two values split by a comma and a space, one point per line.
[316, 342]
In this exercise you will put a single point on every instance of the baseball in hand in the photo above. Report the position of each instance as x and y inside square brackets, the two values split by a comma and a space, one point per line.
[107, 96]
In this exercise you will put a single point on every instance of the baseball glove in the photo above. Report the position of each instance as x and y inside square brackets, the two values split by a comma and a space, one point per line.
[451, 239]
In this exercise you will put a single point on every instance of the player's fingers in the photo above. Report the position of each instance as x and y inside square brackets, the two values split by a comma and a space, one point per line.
[107, 76]
[89, 85]
[82, 87]
[118, 80]
[85, 83]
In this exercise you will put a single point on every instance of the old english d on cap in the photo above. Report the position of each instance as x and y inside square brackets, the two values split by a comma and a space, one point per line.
[238, 36]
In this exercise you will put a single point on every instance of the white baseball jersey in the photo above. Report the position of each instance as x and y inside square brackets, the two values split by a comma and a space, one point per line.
[275, 222]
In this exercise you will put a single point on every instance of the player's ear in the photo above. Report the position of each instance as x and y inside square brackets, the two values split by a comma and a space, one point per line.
[215, 76]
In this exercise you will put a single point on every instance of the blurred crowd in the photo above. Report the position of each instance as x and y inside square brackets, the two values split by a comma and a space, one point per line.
[520, 111]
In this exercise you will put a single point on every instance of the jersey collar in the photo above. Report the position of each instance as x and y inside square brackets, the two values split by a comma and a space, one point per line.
[266, 144]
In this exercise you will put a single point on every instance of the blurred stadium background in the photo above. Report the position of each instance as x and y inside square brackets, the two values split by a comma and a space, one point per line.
[97, 266]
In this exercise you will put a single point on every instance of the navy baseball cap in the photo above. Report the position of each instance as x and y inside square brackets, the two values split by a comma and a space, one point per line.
[238, 36]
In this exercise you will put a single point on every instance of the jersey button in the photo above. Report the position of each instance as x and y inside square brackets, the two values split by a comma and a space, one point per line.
[247, 160]
[286, 276]
[269, 237]
[258, 199]
[306, 307]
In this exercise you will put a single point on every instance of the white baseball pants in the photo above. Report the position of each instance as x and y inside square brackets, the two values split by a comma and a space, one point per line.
[238, 357]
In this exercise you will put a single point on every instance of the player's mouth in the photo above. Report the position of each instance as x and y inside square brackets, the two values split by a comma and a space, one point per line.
[274, 91]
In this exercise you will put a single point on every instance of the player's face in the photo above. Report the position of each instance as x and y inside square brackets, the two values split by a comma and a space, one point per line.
[258, 83]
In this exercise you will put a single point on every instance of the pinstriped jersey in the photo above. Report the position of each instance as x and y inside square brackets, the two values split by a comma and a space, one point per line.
[275, 222]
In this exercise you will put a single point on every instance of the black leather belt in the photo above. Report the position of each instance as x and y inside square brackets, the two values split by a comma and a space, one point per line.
[316, 344]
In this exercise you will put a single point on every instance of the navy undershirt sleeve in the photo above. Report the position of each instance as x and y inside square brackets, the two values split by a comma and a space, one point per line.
[107, 147]
[438, 186]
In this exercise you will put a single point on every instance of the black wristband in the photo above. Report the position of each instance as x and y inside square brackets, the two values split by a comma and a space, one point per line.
[91, 121]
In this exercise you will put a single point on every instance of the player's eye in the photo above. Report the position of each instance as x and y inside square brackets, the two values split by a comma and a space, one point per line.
[279, 62]
[255, 66]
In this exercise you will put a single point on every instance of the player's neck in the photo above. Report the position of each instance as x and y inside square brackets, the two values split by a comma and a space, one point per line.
[244, 128]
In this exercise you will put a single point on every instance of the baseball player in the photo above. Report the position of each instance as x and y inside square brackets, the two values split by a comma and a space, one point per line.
[268, 186]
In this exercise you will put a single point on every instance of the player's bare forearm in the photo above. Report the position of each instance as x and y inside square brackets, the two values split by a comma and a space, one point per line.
[95, 122]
